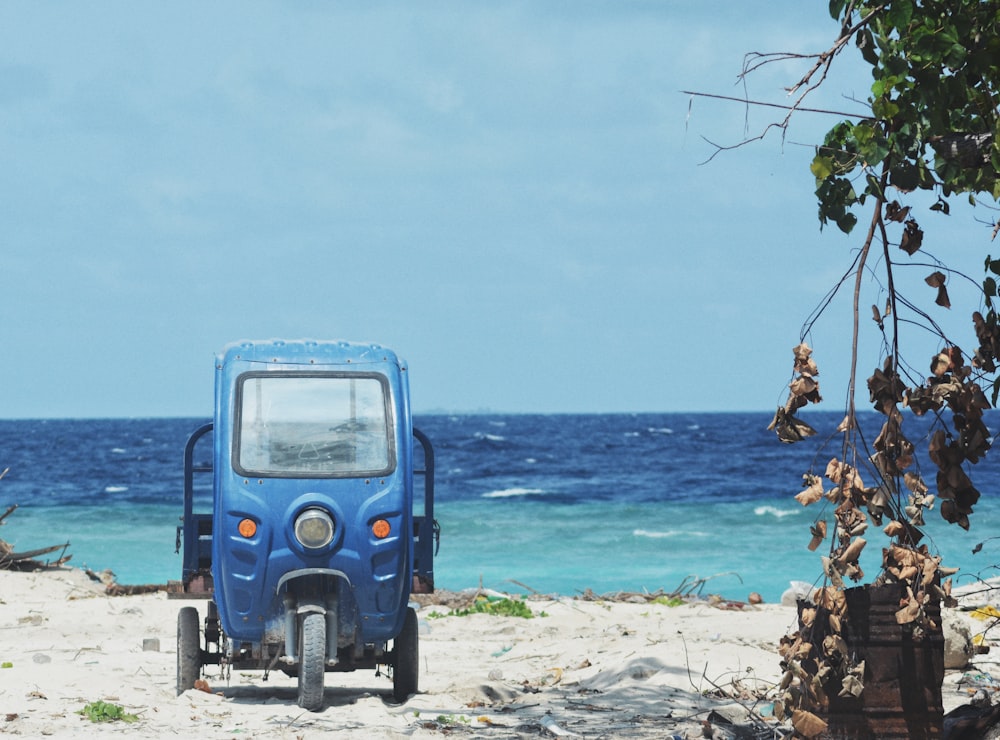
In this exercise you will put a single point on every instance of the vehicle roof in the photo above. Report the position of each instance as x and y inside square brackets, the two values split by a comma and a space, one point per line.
[306, 352]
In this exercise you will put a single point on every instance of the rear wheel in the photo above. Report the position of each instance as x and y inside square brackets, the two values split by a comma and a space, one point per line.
[188, 649]
[406, 659]
[312, 661]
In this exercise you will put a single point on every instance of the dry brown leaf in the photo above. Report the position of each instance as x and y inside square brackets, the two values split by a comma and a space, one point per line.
[895, 212]
[807, 724]
[936, 279]
[912, 238]
[940, 364]
[853, 551]
[851, 686]
[830, 598]
[818, 531]
[814, 491]
[915, 483]
[835, 647]
[894, 528]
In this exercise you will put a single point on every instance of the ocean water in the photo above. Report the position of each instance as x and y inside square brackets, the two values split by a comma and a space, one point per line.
[551, 503]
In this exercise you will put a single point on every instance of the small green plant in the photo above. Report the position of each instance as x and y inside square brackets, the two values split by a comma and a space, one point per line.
[452, 719]
[497, 607]
[669, 600]
[102, 711]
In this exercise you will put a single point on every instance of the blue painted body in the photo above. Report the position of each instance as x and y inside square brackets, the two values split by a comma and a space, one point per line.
[369, 579]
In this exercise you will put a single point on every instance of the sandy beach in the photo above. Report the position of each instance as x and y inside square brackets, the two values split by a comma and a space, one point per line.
[586, 668]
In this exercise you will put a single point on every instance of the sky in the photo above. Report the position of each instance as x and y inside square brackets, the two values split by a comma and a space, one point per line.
[514, 196]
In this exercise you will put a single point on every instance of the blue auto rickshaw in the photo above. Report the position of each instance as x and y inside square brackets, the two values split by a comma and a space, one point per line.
[321, 523]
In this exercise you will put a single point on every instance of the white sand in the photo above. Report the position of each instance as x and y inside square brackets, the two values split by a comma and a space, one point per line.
[591, 669]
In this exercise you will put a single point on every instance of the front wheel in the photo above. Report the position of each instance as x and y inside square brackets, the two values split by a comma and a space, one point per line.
[188, 649]
[312, 661]
[406, 659]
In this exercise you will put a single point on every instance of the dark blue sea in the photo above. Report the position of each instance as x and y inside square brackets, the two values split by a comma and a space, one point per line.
[556, 504]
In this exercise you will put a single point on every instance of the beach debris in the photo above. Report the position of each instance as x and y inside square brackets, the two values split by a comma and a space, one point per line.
[108, 578]
[28, 559]
[550, 724]
[689, 591]
[972, 721]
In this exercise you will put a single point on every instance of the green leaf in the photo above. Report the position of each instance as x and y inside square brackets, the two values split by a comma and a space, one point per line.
[899, 15]
[905, 177]
[884, 109]
[990, 287]
[866, 43]
[847, 222]
[821, 167]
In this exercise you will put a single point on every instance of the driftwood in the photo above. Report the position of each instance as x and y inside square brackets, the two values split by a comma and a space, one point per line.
[28, 559]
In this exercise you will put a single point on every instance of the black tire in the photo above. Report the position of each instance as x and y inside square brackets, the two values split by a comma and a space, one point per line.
[312, 661]
[188, 649]
[406, 659]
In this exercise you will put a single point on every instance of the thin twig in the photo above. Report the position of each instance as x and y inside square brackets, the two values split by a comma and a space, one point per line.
[772, 105]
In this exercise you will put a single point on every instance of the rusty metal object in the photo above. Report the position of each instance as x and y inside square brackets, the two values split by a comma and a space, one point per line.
[904, 670]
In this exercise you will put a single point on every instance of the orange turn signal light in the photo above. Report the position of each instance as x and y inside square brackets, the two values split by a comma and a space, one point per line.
[247, 528]
[381, 529]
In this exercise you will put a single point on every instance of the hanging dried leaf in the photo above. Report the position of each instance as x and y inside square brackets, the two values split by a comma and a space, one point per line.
[847, 423]
[834, 621]
[913, 237]
[832, 599]
[807, 724]
[835, 647]
[853, 551]
[894, 528]
[851, 686]
[813, 491]
[832, 572]
[885, 387]
[937, 280]
[922, 399]
[818, 531]
[802, 351]
[894, 212]
[806, 387]
[790, 428]
[940, 365]
[909, 610]
[877, 501]
[915, 483]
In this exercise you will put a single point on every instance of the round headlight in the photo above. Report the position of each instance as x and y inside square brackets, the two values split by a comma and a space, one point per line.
[314, 529]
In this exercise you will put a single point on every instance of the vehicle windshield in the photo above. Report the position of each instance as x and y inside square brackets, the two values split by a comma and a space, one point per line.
[313, 425]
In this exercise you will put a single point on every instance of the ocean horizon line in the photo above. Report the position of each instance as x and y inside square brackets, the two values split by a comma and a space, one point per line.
[865, 412]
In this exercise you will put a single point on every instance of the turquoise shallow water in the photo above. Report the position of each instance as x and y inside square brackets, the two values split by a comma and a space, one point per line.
[556, 503]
